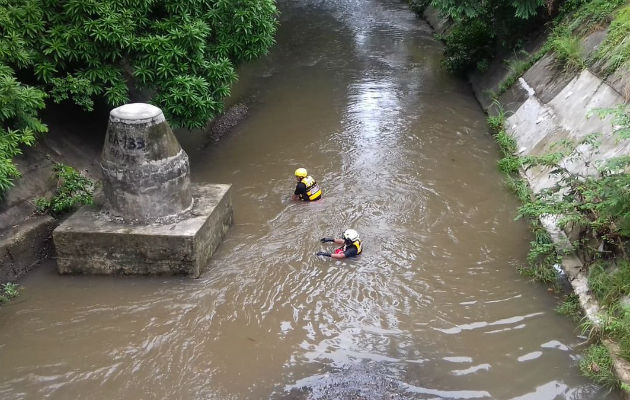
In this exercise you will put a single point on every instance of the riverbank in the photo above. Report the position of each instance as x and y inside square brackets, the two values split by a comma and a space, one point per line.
[543, 105]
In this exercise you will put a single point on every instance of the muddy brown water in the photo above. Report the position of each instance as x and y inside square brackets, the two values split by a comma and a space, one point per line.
[434, 308]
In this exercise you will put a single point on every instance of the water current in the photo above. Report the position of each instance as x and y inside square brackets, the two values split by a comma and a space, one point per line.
[434, 308]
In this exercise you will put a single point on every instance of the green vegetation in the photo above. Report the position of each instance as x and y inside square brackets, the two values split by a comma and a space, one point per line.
[542, 254]
[418, 6]
[611, 286]
[468, 45]
[597, 364]
[183, 53]
[566, 48]
[18, 122]
[73, 189]
[518, 69]
[480, 30]
[510, 163]
[586, 16]
[570, 306]
[614, 52]
[542, 257]
[610, 282]
[9, 291]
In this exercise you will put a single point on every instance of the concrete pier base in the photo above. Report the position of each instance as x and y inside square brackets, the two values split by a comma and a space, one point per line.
[91, 242]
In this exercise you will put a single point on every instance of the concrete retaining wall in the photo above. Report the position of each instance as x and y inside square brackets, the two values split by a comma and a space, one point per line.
[25, 238]
[23, 246]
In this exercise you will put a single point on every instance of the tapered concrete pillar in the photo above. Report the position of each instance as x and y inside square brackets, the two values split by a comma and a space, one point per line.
[153, 220]
[145, 170]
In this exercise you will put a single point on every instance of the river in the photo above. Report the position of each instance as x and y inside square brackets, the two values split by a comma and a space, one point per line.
[434, 308]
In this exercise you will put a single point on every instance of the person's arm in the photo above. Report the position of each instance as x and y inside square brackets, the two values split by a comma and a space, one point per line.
[332, 240]
[300, 189]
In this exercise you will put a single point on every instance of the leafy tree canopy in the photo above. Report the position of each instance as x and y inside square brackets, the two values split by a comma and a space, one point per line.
[19, 124]
[462, 9]
[185, 52]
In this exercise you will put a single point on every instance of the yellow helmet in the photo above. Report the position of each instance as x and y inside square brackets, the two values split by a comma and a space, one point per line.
[301, 173]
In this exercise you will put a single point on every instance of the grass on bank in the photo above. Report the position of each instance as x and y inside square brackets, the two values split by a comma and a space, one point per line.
[614, 52]
[598, 365]
[592, 16]
[610, 283]
[570, 307]
[566, 49]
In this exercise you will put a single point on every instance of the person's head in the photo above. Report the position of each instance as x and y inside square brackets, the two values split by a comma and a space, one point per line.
[350, 236]
[300, 173]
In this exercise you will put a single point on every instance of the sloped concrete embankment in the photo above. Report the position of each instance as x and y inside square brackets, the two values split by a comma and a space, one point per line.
[545, 106]
[25, 237]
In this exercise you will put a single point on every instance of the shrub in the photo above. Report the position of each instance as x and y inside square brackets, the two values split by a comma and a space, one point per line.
[418, 6]
[468, 44]
[19, 124]
[570, 306]
[73, 189]
[9, 291]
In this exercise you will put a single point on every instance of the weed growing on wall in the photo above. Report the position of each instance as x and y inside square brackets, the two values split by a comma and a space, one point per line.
[518, 70]
[610, 283]
[9, 291]
[570, 306]
[566, 47]
[591, 15]
[73, 189]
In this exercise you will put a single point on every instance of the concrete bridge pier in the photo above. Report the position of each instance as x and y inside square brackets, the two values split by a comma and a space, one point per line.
[153, 220]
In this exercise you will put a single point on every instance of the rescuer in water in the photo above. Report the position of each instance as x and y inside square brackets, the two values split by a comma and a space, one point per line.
[306, 189]
[351, 245]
